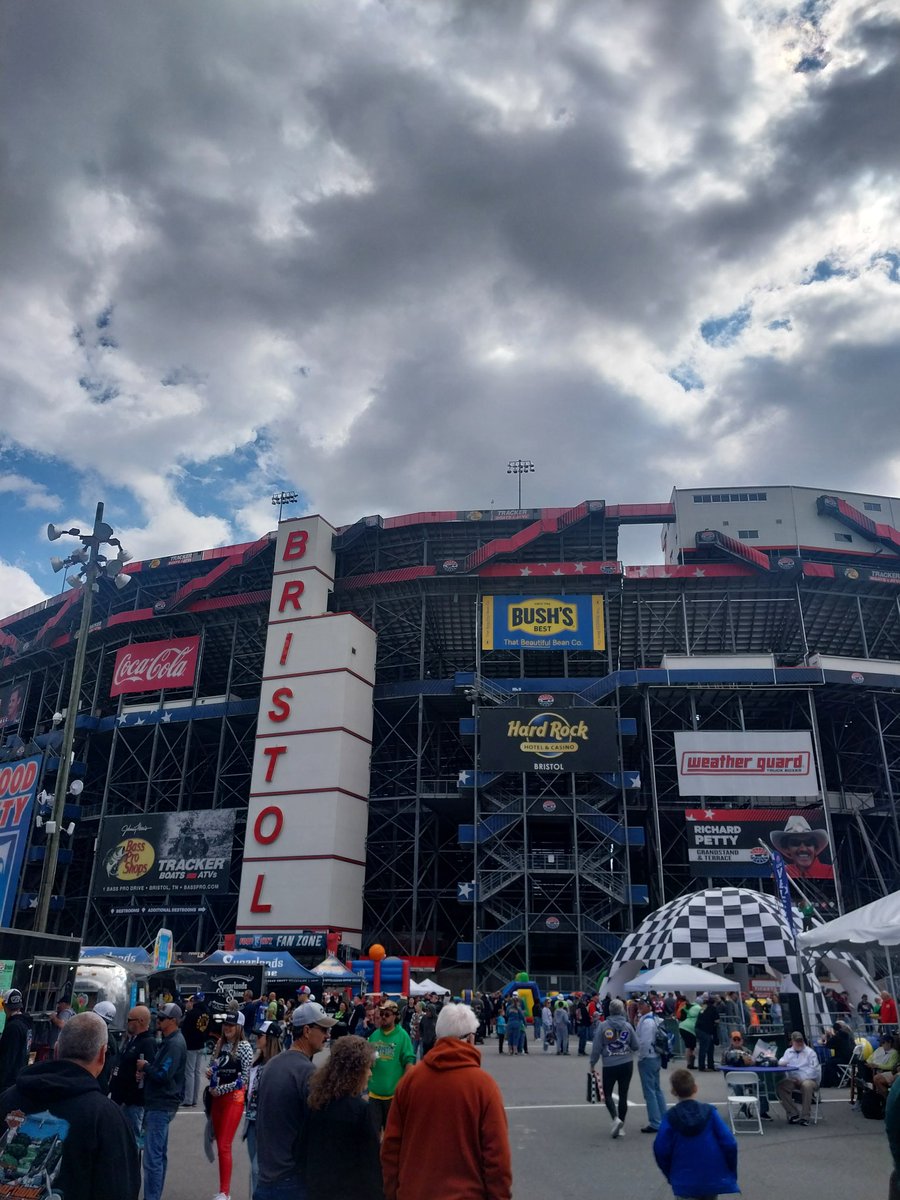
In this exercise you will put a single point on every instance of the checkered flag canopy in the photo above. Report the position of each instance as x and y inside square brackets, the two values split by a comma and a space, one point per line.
[723, 925]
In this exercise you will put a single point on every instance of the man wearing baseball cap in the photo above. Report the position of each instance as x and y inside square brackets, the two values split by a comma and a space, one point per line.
[163, 1080]
[281, 1108]
[394, 1056]
[15, 1042]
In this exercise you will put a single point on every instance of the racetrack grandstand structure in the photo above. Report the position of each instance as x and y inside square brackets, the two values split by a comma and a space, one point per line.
[503, 870]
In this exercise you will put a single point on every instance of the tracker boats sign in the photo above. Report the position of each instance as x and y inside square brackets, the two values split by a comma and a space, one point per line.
[153, 666]
[774, 763]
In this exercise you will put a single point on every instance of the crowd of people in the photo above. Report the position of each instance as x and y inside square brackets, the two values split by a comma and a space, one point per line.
[362, 1122]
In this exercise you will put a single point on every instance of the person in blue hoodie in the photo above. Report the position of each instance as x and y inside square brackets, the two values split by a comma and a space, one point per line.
[695, 1149]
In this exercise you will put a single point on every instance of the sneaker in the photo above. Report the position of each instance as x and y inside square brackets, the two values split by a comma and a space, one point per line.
[793, 1120]
[621, 1132]
[649, 1129]
[222, 1196]
[803, 1121]
[766, 1116]
[616, 1128]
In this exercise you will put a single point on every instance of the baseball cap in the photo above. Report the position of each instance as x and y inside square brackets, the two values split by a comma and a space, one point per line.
[106, 1009]
[311, 1013]
[171, 1011]
[12, 998]
[234, 1018]
[272, 1029]
[388, 1006]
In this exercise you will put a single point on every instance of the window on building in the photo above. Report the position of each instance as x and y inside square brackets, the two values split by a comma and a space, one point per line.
[748, 533]
[726, 522]
[871, 506]
[843, 537]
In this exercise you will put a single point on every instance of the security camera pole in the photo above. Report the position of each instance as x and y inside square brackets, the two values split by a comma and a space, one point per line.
[93, 566]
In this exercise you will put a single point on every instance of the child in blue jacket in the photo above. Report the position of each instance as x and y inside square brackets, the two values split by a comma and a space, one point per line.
[695, 1149]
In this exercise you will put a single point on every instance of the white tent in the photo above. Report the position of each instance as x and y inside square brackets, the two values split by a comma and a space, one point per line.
[680, 977]
[426, 986]
[875, 924]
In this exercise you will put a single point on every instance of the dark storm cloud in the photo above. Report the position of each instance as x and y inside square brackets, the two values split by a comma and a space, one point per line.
[378, 249]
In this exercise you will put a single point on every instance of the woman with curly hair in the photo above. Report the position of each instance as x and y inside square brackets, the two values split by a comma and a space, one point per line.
[340, 1144]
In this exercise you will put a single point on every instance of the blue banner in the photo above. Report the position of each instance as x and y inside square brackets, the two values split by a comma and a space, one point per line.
[542, 623]
[18, 785]
[779, 870]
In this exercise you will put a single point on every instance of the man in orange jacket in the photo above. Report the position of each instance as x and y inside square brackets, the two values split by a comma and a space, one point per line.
[466, 1153]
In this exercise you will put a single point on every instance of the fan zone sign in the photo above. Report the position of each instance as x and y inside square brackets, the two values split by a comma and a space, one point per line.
[18, 784]
[542, 623]
[773, 763]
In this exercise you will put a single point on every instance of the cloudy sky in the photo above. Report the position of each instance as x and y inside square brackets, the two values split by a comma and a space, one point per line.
[372, 251]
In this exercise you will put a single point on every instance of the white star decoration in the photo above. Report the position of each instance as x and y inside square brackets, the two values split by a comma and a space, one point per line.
[700, 573]
[122, 719]
[464, 890]
[579, 568]
[524, 571]
[708, 814]
[167, 717]
[557, 571]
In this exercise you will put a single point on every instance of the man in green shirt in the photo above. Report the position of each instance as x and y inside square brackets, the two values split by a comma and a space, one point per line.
[394, 1056]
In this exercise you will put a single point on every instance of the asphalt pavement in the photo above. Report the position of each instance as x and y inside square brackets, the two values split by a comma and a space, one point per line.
[562, 1150]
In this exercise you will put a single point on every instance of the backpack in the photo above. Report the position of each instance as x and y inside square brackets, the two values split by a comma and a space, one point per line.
[662, 1043]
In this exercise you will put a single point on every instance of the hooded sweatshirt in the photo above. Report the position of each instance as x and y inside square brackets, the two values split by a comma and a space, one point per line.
[696, 1151]
[68, 1134]
[15, 1044]
[615, 1042]
[465, 1153]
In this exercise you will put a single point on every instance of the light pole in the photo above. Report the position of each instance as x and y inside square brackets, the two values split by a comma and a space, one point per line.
[519, 467]
[93, 564]
[280, 499]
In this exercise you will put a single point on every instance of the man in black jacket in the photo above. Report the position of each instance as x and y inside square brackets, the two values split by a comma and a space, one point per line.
[139, 1043]
[196, 1031]
[15, 1042]
[62, 1133]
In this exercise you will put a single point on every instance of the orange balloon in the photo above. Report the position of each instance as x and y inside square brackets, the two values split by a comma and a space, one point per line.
[377, 952]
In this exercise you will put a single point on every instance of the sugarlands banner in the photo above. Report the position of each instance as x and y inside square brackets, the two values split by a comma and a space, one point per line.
[165, 852]
[739, 841]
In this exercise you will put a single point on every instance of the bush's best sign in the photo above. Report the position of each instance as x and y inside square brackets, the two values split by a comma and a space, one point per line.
[763, 763]
[152, 666]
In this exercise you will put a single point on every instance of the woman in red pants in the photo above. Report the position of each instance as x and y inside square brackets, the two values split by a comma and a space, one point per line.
[229, 1077]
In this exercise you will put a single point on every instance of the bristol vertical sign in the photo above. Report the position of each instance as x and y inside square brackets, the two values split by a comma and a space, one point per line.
[304, 854]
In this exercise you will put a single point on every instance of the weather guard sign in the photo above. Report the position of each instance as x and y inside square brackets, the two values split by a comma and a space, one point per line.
[542, 623]
[763, 763]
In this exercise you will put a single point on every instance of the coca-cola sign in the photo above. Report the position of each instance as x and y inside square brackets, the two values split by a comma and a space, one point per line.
[152, 666]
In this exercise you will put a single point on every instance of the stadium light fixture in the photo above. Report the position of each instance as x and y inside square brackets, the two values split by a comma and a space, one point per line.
[280, 499]
[519, 467]
[93, 564]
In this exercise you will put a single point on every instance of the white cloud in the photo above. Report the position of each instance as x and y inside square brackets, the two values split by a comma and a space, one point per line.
[17, 589]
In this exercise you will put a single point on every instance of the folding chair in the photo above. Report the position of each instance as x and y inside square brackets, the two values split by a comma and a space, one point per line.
[743, 1102]
[848, 1070]
[797, 1097]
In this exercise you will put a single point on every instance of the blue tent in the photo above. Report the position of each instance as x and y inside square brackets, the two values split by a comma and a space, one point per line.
[128, 954]
[278, 964]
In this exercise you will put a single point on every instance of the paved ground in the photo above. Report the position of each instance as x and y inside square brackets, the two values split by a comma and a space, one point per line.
[562, 1149]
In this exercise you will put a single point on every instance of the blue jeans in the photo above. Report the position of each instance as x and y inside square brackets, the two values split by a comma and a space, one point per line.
[285, 1189]
[134, 1115]
[250, 1138]
[648, 1069]
[156, 1151]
